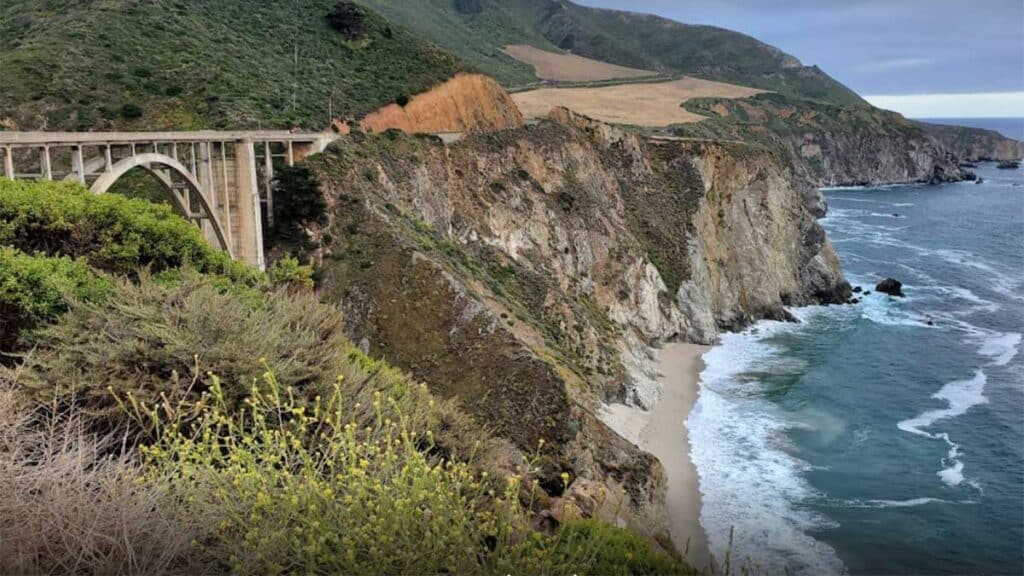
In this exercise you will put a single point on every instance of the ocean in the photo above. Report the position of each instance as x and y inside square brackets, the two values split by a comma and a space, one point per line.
[885, 437]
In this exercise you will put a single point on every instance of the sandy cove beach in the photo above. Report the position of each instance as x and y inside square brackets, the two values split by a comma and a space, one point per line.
[662, 432]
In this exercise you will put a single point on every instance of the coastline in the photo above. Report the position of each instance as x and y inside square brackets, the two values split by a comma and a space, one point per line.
[662, 432]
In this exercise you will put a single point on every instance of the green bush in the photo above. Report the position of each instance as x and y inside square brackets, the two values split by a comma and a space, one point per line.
[188, 325]
[288, 273]
[298, 202]
[111, 233]
[292, 488]
[612, 551]
[36, 289]
[131, 111]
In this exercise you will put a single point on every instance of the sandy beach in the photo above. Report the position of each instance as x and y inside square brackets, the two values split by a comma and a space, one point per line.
[662, 432]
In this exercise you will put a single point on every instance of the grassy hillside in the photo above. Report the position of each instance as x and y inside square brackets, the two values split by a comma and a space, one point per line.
[477, 30]
[68, 64]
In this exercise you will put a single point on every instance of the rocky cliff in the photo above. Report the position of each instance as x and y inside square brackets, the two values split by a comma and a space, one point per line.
[974, 144]
[466, 103]
[826, 144]
[528, 273]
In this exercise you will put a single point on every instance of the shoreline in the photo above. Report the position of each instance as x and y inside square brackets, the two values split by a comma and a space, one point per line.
[663, 433]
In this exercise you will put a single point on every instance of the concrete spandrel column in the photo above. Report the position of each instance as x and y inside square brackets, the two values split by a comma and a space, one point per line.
[8, 163]
[247, 199]
[209, 189]
[78, 164]
[45, 161]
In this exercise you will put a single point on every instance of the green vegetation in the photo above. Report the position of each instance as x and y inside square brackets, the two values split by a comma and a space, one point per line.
[623, 38]
[112, 233]
[190, 421]
[186, 64]
[787, 126]
[37, 289]
[298, 203]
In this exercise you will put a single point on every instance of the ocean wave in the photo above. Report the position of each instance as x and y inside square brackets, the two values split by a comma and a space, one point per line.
[910, 503]
[750, 484]
[1002, 347]
[960, 396]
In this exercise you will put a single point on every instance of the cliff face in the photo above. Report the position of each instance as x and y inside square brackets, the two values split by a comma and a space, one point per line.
[829, 145]
[974, 144]
[466, 103]
[527, 273]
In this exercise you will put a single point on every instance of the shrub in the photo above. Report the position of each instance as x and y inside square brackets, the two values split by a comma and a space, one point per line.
[292, 488]
[131, 111]
[289, 274]
[185, 324]
[160, 341]
[349, 19]
[67, 508]
[297, 203]
[311, 489]
[111, 233]
[36, 289]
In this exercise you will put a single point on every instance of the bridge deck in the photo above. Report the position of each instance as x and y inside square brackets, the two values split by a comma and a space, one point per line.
[16, 139]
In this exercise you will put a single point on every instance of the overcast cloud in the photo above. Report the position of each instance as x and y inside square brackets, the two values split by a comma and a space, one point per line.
[876, 47]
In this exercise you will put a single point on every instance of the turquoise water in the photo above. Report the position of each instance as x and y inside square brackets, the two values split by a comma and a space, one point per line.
[885, 437]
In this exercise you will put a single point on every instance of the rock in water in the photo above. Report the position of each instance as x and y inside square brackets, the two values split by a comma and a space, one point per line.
[857, 290]
[1008, 165]
[891, 286]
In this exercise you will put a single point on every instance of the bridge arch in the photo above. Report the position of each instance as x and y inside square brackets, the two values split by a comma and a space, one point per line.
[148, 161]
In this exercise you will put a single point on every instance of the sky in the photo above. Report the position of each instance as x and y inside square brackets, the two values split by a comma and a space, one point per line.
[899, 54]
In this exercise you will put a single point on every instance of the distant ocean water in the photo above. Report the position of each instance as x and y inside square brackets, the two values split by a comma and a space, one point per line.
[1009, 127]
[865, 440]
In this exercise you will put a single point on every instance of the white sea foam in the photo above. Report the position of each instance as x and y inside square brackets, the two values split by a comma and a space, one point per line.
[1001, 347]
[892, 503]
[749, 482]
[960, 396]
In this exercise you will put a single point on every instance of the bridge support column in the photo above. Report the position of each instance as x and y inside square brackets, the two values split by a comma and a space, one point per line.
[250, 225]
[210, 188]
[78, 164]
[44, 162]
[8, 163]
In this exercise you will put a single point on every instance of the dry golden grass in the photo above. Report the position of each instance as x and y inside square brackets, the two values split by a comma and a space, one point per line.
[71, 502]
[569, 67]
[642, 104]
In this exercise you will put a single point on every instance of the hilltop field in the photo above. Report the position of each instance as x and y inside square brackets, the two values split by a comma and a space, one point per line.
[570, 67]
[650, 104]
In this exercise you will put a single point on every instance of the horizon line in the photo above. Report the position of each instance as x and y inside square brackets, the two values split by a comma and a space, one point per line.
[1007, 104]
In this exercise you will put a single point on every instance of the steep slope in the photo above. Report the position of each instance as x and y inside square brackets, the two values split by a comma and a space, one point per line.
[973, 144]
[528, 272]
[199, 63]
[623, 38]
[826, 144]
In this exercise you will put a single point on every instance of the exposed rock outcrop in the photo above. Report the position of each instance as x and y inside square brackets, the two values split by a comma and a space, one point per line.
[890, 286]
[974, 144]
[827, 145]
[527, 273]
[466, 103]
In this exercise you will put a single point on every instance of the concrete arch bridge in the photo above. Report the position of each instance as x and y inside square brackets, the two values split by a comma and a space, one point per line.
[218, 180]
